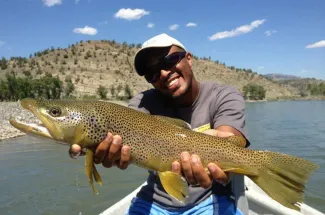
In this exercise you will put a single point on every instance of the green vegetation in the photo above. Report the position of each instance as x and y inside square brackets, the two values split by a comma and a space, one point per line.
[254, 92]
[128, 92]
[102, 92]
[78, 68]
[317, 89]
[48, 87]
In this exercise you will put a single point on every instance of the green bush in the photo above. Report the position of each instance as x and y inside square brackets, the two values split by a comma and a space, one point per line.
[254, 92]
[102, 92]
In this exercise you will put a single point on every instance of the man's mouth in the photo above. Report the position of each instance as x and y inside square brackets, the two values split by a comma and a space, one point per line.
[172, 82]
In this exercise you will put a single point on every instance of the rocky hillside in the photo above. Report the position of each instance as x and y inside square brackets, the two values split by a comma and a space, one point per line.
[107, 63]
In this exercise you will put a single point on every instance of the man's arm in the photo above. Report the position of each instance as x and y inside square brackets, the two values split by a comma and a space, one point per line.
[225, 131]
[228, 114]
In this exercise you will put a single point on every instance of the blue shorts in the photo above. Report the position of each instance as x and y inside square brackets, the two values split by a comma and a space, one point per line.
[214, 205]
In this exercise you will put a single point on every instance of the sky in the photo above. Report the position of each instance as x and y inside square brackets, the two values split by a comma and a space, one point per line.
[269, 36]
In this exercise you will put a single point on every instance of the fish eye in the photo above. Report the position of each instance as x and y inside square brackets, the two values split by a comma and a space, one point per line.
[55, 112]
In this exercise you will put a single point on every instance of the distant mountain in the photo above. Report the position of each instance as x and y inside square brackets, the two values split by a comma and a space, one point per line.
[281, 77]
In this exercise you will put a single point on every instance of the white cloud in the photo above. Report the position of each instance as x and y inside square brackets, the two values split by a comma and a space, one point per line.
[50, 3]
[173, 27]
[303, 71]
[269, 32]
[319, 44]
[131, 14]
[150, 25]
[191, 24]
[86, 30]
[260, 67]
[1, 43]
[76, 1]
[244, 29]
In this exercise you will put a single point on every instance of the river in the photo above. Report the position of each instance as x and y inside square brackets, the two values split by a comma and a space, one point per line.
[38, 176]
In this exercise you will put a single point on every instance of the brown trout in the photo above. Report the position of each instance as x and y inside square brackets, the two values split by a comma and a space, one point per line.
[157, 141]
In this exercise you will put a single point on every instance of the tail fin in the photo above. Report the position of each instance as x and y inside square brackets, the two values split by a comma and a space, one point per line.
[284, 177]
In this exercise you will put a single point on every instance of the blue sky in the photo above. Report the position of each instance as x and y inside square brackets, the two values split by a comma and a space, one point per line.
[269, 36]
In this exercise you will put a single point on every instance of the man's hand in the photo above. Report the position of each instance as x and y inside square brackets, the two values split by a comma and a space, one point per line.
[193, 170]
[109, 152]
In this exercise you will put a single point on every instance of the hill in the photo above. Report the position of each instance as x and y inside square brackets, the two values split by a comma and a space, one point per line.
[281, 77]
[90, 64]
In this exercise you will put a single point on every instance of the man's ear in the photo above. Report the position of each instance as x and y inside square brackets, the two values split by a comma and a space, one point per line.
[189, 58]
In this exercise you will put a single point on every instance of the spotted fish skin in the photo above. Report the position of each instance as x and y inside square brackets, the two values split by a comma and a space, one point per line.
[156, 142]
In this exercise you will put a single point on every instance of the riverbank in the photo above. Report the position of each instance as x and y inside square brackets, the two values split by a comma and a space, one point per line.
[8, 109]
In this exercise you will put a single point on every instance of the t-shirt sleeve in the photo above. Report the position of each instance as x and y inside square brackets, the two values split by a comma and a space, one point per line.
[135, 103]
[229, 109]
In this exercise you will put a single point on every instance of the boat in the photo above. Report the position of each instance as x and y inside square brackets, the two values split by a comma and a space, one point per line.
[259, 203]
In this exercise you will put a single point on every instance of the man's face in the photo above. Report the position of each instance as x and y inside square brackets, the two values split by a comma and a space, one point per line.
[175, 81]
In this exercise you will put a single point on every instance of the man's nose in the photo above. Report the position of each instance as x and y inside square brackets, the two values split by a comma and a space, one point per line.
[165, 73]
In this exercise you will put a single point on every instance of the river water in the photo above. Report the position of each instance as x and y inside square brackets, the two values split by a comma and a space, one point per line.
[38, 176]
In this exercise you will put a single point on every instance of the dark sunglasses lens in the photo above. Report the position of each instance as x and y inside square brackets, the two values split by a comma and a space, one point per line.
[173, 59]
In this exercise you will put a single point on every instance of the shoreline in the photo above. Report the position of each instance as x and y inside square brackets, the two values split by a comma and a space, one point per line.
[8, 109]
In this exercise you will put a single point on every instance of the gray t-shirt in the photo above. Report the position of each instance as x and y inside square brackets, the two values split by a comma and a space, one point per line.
[216, 105]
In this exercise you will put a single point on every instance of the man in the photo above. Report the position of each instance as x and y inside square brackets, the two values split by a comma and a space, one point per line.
[208, 107]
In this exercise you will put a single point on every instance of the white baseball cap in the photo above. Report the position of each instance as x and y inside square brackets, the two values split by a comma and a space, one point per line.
[159, 41]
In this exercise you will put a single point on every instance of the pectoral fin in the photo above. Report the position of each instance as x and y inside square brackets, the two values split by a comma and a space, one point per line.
[174, 184]
[97, 177]
[89, 168]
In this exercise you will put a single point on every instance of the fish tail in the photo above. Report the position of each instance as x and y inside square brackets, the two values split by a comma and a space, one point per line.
[283, 177]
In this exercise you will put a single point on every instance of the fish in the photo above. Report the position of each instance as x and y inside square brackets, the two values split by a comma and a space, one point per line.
[157, 141]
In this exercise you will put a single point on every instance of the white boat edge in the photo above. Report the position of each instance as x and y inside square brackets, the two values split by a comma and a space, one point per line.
[259, 203]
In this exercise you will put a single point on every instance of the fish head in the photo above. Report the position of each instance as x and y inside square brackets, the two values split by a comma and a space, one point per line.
[59, 119]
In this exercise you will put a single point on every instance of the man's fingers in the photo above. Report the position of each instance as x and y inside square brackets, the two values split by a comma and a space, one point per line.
[187, 169]
[176, 167]
[217, 174]
[74, 151]
[125, 157]
[102, 148]
[198, 171]
[114, 151]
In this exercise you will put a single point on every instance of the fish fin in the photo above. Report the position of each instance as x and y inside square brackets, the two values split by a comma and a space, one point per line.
[176, 122]
[97, 177]
[174, 184]
[89, 168]
[283, 178]
[239, 169]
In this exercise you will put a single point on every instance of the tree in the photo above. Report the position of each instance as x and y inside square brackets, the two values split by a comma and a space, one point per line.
[102, 92]
[128, 92]
[3, 63]
[69, 88]
[4, 91]
[113, 91]
[254, 92]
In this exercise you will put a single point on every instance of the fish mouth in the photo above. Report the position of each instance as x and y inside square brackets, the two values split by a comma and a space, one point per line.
[31, 128]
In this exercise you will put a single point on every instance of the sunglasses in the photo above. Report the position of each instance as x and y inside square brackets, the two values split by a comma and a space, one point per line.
[166, 63]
